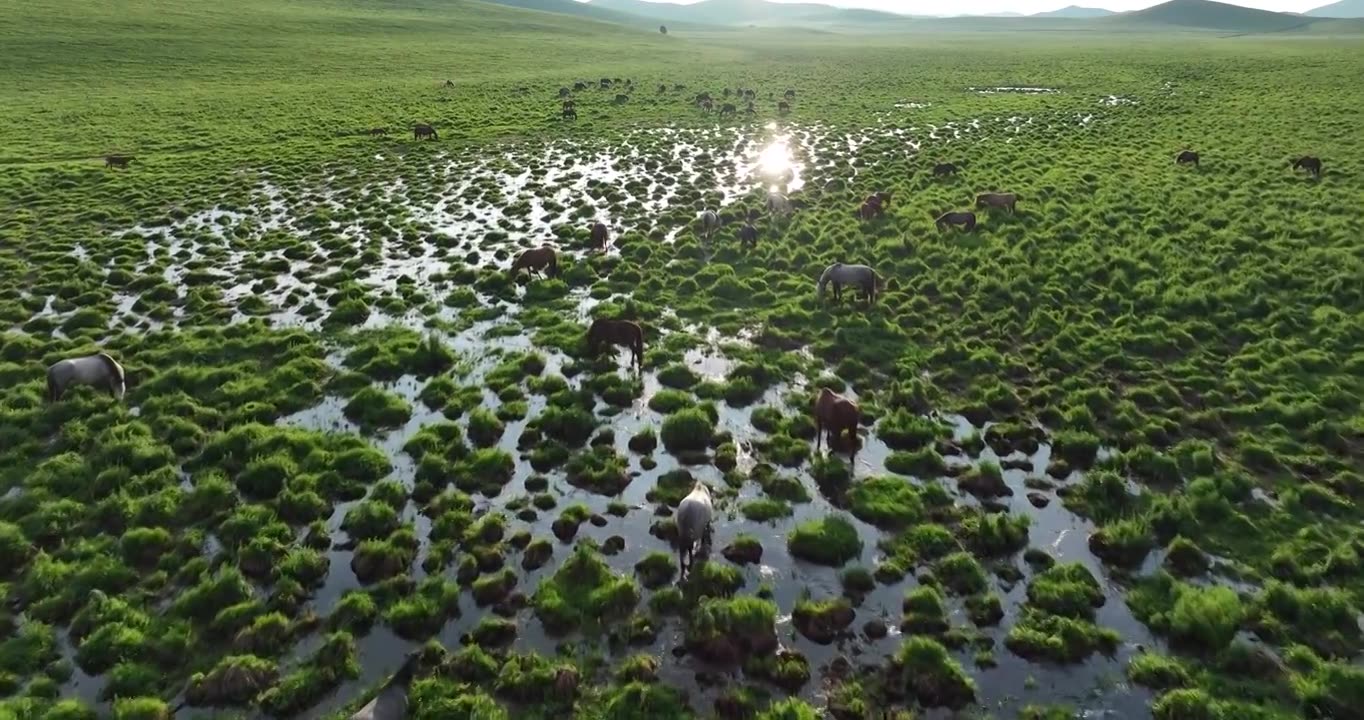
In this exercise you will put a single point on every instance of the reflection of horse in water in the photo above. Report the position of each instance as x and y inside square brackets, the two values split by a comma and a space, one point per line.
[624, 333]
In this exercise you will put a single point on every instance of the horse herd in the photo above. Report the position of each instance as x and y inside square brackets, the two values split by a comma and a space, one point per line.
[1308, 163]
[705, 101]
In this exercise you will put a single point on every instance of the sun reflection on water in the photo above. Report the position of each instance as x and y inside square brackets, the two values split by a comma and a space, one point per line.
[776, 164]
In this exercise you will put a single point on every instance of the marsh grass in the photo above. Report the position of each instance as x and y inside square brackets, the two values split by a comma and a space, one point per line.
[1190, 337]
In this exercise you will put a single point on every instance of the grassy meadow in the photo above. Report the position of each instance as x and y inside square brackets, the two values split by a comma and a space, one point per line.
[1111, 448]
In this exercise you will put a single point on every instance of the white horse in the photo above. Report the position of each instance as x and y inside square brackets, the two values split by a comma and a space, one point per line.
[778, 204]
[98, 370]
[710, 224]
[693, 523]
[860, 275]
[391, 702]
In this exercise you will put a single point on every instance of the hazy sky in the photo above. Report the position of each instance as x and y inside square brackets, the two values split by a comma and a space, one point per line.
[967, 7]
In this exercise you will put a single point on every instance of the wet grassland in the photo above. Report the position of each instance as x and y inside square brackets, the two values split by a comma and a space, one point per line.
[1111, 448]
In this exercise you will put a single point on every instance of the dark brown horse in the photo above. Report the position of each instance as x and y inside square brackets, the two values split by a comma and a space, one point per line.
[836, 415]
[750, 110]
[378, 132]
[706, 105]
[1310, 164]
[783, 107]
[624, 333]
[997, 200]
[570, 113]
[728, 109]
[601, 236]
[564, 92]
[423, 130]
[944, 169]
[871, 208]
[541, 259]
[965, 220]
[880, 198]
[621, 99]
[118, 161]
[748, 235]
[790, 95]
[579, 86]
[449, 83]
[1187, 157]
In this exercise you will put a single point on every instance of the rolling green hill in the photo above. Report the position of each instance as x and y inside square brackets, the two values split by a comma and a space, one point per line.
[749, 12]
[1206, 15]
[1340, 9]
[1074, 11]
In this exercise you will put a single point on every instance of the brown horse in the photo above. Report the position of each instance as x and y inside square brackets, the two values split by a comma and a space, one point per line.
[624, 333]
[783, 107]
[880, 198]
[601, 237]
[871, 208]
[967, 220]
[728, 109]
[423, 130]
[836, 415]
[541, 259]
[449, 83]
[118, 161]
[564, 92]
[748, 235]
[1310, 164]
[997, 200]
[1187, 157]
[570, 113]
[750, 110]
[790, 95]
[378, 132]
[944, 169]
[579, 86]
[621, 99]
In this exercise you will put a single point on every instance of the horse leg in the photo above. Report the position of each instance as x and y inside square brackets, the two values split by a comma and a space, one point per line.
[819, 433]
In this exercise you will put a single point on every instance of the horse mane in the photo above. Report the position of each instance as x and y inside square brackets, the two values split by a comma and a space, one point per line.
[112, 364]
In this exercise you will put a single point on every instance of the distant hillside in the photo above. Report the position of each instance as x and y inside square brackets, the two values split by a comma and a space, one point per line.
[1342, 9]
[745, 12]
[1075, 11]
[1206, 15]
[593, 11]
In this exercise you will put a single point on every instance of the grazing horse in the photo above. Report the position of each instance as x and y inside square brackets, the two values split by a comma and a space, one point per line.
[790, 95]
[579, 86]
[621, 99]
[449, 83]
[98, 370]
[693, 524]
[835, 415]
[728, 109]
[564, 92]
[778, 204]
[750, 110]
[601, 236]
[882, 197]
[391, 702]
[871, 208]
[706, 105]
[1187, 157]
[424, 131]
[605, 84]
[783, 107]
[624, 333]
[840, 274]
[570, 103]
[118, 161]
[662, 89]
[1310, 164]
[967, 220]
[997, 200]
[710, 223]
[726, 92]
[748, 235]
[703, 97]
[541, 259]
[944, 169]
[378, 132]
[570, 113]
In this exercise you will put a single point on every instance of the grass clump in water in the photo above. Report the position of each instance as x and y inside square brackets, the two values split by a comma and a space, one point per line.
[887, 502]
[923, 669]
[583, 591]
[599, 470]
[961, 573]
[829, 541]
[725, 631]
[688, 430]
[374, 409]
